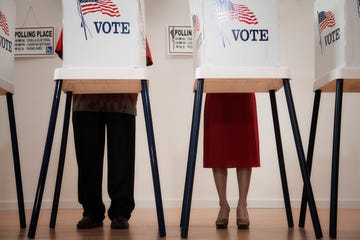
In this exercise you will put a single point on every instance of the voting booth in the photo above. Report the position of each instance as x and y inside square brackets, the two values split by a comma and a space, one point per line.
[104, 51]
[112, 36]
[231, 33]
[7, 36]
[337, 69]
[237, 39]
[337, 36]
[103, 43]
[237, 49]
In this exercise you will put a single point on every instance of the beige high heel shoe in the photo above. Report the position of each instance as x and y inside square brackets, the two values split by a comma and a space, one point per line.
[222, 222]
[243, 223]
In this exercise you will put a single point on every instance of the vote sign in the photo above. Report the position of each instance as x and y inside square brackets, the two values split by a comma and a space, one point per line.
[235, 32]
[7, 28]
[103, 33]
[337, 35]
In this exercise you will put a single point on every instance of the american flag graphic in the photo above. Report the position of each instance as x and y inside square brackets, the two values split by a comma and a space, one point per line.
[196, 23]
[228, 11]
[326, 19]
[3, 23]
[104, 6]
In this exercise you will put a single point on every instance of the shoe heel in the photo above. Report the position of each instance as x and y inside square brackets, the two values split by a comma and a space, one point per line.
[222, 223]
[242, 223]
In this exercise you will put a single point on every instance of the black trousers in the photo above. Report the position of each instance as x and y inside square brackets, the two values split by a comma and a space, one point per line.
[89, 135]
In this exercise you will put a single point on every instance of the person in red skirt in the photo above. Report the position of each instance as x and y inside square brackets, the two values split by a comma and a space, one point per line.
[231, 141]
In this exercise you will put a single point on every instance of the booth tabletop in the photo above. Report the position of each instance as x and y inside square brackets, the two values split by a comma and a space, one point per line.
[6, 87]
[99, 73]
[351, 77]
[241, 79]
[101, 80]
[101, 86]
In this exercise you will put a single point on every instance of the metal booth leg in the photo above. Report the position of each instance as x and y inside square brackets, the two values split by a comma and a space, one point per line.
[60, 171]
[45, 161]
[281, 159]
[335, 158]
[153, 158]
[16, 158]
[302, 162]
[310, 153]
[189, 182]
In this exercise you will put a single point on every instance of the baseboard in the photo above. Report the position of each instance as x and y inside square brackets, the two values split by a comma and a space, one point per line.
[276, 203]
[196, 203]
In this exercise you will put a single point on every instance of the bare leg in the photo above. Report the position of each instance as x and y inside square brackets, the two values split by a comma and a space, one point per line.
[220, 177]
[243, 176]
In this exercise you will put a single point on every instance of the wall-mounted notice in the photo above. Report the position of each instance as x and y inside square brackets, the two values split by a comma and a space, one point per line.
[34, 42]
[179, 40]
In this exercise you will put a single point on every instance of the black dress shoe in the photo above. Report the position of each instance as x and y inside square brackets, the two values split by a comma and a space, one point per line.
[119, 223]
[88, 222]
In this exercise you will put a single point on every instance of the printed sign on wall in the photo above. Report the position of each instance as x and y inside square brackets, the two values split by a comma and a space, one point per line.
[179, 40]
[34, 42]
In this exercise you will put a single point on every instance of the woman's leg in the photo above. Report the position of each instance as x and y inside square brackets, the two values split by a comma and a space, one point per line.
[220, 177]
[243, 176]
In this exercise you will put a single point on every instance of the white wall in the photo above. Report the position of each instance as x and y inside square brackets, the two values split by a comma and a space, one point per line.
[172, 100]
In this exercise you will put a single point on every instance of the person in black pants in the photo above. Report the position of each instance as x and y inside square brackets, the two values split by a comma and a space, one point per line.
[95, 115]
[89, 134]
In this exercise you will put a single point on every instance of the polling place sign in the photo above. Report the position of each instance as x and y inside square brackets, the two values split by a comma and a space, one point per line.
[179, 40]
[34, 42]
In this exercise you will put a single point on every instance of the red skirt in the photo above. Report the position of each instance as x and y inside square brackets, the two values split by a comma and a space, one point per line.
[231, 137]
